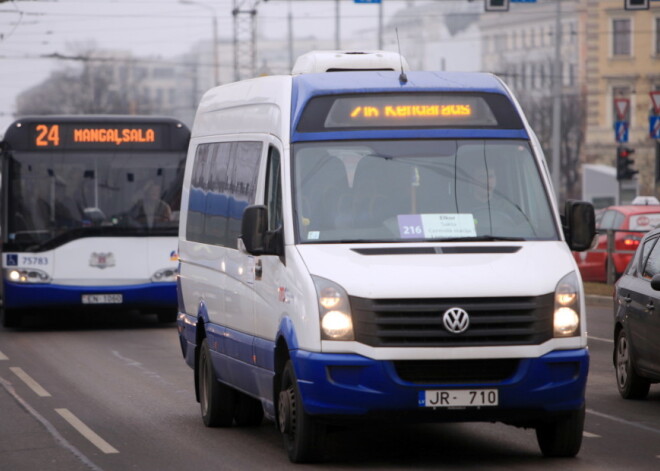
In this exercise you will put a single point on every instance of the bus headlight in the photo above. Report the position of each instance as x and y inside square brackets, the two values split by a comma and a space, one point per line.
[27, 275]
[164, 275]
[566, 319]
[334, 309]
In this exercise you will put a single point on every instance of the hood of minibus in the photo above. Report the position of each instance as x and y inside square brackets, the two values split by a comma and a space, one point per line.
[444, 270]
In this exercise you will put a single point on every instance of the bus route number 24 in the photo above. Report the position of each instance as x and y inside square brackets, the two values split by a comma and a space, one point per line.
[47, 135]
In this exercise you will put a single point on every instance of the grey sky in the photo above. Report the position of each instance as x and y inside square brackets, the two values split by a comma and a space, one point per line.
[31, 29]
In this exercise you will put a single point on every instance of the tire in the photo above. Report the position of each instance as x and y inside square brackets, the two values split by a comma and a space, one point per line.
[563, 436]
[249, 411]
[303, 436]
[11, 318]
[630, 384]
[217, 400]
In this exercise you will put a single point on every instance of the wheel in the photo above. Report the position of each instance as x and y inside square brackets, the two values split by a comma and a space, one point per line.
[217, 400]
[11, 318]
[630, 384]
[562, 437]
[303, 436]
[249, 411]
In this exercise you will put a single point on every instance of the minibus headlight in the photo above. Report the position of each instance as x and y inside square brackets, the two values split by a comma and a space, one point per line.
[25, 275]
[163, 275]
[334, 309]
[566, 319]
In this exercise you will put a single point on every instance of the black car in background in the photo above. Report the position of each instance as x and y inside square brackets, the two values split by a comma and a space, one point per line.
[637, 321]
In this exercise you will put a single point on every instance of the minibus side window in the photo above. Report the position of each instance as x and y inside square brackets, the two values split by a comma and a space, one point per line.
[274, 190]
[246, 157]
[197, 199]
[217, 198]
[223, 184]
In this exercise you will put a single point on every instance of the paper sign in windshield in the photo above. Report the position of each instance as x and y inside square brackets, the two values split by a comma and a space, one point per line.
[436, 226]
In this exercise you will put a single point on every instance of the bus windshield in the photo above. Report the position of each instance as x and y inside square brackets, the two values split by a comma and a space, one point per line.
[419, 190]
[58, 196]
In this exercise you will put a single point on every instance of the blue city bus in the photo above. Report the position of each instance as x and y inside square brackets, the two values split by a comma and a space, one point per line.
[90, 209]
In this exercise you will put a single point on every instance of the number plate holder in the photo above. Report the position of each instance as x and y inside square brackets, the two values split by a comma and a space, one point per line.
[459, 398]
[102, 299]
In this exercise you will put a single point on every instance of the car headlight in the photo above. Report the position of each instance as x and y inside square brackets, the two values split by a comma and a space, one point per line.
[334, 309]
[566, 319]
[164, 274]
[27, 275]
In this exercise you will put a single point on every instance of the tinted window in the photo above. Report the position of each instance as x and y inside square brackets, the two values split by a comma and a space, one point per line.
[223, 183]
[216, 204]
[274, 190]
[651, 258]
[243, 185]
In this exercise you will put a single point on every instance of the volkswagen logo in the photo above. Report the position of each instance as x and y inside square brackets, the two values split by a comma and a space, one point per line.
[456, 320]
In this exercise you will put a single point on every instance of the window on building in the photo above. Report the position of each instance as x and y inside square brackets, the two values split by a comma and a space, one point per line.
[572, 33]
[621, 37]
[657, 36]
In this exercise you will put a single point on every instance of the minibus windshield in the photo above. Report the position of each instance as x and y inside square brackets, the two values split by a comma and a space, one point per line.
[419, 190]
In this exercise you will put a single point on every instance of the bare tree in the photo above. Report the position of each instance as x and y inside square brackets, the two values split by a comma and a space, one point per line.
[101, 84]
[539, 113]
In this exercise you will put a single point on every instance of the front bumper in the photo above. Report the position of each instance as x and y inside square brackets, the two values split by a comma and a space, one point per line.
[345, 385]
[30, 296]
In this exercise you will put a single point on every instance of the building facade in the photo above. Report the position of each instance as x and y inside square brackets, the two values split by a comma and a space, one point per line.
[622, 63]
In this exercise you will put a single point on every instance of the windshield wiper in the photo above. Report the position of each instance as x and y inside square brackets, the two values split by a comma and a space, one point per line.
[483, 238]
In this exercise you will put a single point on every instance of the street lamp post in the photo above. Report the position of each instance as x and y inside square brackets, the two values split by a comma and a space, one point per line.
[214, 18]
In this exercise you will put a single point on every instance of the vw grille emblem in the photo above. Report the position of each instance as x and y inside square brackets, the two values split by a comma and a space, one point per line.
[456, 320]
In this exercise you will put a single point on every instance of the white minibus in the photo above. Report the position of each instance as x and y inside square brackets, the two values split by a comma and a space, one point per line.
[368, 245]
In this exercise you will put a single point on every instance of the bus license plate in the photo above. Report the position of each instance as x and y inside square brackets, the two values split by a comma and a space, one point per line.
[460, 398]
[102, 299]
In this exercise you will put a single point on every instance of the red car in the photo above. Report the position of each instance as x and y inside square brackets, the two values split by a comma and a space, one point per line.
[638, 219]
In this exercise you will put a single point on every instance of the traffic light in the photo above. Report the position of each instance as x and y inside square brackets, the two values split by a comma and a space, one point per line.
[496, 5]
[624, 163]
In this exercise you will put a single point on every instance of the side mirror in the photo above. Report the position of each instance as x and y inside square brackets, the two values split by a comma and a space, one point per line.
[655, 282]
[579, 225]
[255, 236]
[253, 229]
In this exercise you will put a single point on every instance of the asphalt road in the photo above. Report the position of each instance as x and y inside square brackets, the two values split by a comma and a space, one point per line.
[113, 393]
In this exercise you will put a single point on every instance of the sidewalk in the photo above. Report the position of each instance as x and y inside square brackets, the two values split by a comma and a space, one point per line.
[26, 443]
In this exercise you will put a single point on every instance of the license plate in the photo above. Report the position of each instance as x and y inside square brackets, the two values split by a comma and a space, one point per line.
[102, 299]
[459, 398]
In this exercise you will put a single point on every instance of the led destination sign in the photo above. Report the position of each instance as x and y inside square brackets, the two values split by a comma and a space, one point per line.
[96, 136]
[408, 110]
[411, 111]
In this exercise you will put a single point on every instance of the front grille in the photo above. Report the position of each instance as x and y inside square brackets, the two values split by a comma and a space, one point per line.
[455, 371]
[418, 322]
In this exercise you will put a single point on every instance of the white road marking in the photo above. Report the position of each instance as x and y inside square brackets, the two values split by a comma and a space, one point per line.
[624, 421]
[590, 435]
[51, 429]
[3, 356]
[86, 432]
[32, 384]
[600, 339]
